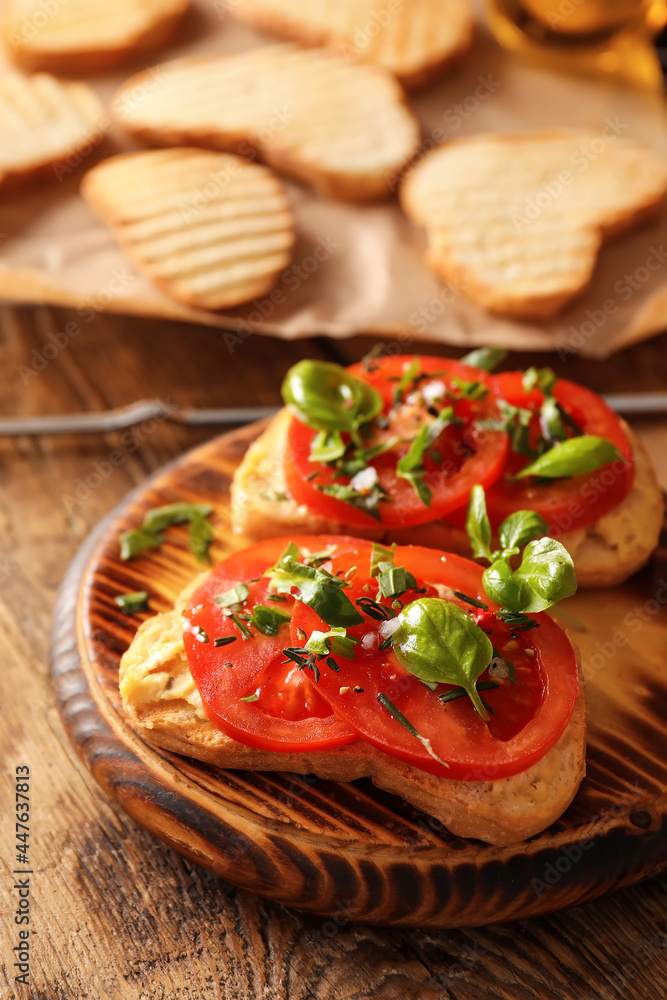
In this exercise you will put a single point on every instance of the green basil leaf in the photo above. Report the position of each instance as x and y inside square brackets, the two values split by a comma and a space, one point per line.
[411, 466]
[406, 379]
[500, 585]
[130, 603]
[572, 458]
[324, 396]
[551, 421]
[327, 446]
[136, 540]
[366, 500]
[235, 595]
[268, 620]
[200, 536]
[335, 641]
[486, 358]
[381, 554]
[543, 379]
[395, 580]
[317, 588]
[478, 526]
[438, 641]
[515, 422]
[545, 576]
[174, 513]
[471, 390]
[520, 528]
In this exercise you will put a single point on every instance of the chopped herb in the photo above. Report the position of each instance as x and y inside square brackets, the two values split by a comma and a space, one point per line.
[470, 390]
[199, 634]
[136, 540]
[130, 603]
[331, 663]
[335, 641]
[312, 475]
[486, 358]
[381, 554]
[386, 644]
[235, 595]
[250, 697]
[407, 725]
[406, 380]
[367, 500]
[470, 600]
[224, 640]
[318, 589]
[411, 466]
[517, 621]
[156, 520]
[268, 620]
[373, 609]
[241, 626]
[458, 692]
[543, 379]
[327, 446]
[303, 659]
[515, 422]
[229, 664]
[395, 581]
[276, 597]
[274, 495]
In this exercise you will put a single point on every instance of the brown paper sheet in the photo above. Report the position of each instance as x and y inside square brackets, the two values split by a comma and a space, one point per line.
[360, 269]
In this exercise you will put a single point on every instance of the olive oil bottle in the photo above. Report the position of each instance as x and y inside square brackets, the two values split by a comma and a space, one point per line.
[609, 37]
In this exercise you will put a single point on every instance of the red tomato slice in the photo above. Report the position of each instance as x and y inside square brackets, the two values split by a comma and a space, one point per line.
[530, 716]
[289, 713]
[571, 503]
[468, 454]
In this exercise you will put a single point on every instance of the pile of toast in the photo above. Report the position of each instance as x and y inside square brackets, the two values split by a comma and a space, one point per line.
[514, 222]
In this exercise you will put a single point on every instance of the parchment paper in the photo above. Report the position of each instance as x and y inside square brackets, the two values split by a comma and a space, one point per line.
[359, 268]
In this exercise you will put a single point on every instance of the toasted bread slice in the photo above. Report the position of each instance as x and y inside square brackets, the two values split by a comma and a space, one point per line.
[516, 221]
[213, 230]
[161, 701]
[605, 553]
[43, 122]
[85, 36]
[342, 128]
[416, 41]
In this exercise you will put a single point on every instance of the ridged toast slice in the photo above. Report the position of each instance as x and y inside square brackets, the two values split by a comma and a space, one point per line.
[415, 41]
[43, 121]
[516, 221]
[85, 36]
[605, 553]
[163, 704]
[343, 128]
[211, 229]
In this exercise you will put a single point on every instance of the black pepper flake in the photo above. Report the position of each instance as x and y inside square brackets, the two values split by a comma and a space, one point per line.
[358, 688]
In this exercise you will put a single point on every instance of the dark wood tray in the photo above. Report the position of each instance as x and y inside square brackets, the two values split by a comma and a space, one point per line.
[350, 851]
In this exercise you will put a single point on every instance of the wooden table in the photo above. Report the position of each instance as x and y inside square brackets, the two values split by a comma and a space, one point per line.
[115, 915]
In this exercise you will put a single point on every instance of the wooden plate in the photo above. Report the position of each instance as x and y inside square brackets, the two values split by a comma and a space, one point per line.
[350, 851]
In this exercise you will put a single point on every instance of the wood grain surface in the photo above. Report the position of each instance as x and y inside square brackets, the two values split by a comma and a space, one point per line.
[115, 913]
[312, 843]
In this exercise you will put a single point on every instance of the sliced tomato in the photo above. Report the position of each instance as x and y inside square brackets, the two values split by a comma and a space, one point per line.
[464, 454]
[529, 717]
[566, 504]
[287, 712]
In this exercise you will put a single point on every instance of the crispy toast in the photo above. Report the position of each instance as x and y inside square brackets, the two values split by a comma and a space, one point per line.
[211, 229]
[163, 704]
[344, 128]
[416, 41]
[516, 222]
[85, 36]
[604, 554]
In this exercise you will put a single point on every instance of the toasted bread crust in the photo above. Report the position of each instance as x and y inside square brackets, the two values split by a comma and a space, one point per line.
[604, 553]
[162, 703]
[342, 127]
[211, 229]
[416, 42]
[43, 122]
[86, 36]
[516, 221]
